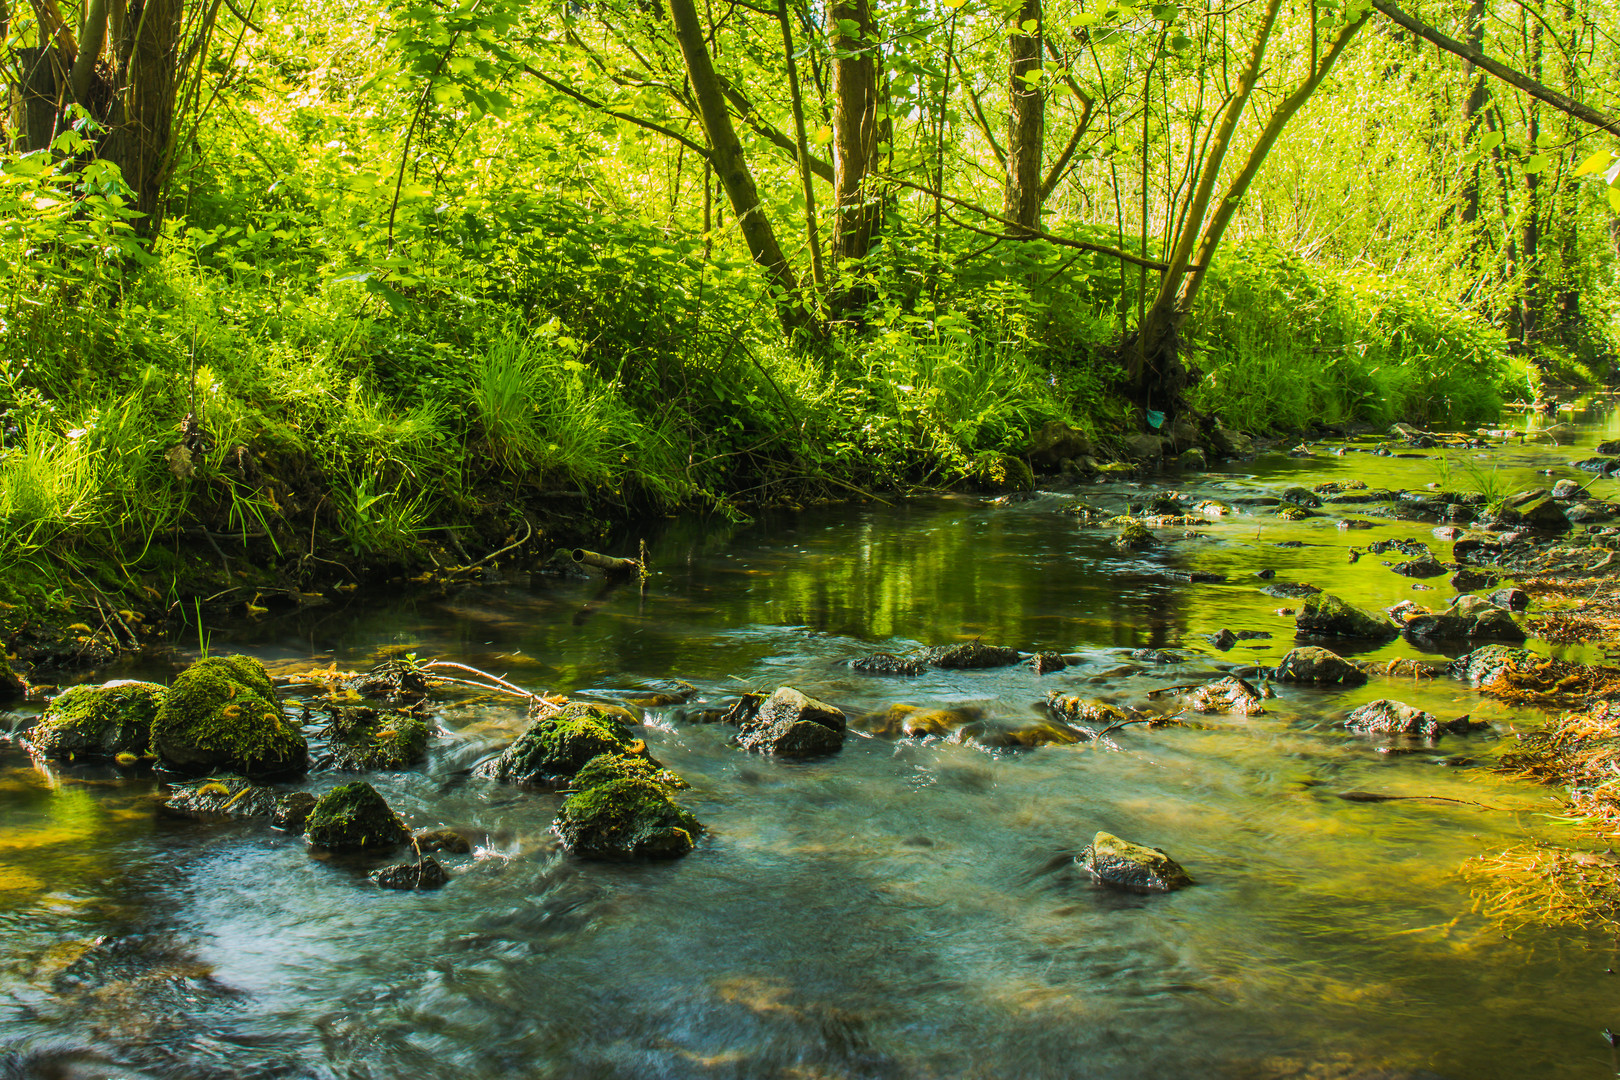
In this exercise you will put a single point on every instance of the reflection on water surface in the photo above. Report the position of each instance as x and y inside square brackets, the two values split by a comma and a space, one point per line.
[905, 909]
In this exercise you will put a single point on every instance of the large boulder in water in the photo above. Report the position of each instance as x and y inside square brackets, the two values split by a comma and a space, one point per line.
[354, 817]
[1325, 615]
[221, 715]
[98, 721]
[1132, 867]
[1312, 664]
[1469, 617]
[792, 723]
[552, 749]
[631, 818]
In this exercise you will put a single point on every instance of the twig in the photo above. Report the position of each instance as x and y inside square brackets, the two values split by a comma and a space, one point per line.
[528, 532]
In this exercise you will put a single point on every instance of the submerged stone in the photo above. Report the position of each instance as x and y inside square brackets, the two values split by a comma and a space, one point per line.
[426, 874]
[354, 817]
[1228, 695]
[98, 721]
[1425, 566]
[452, 841]
[625, 819]
[1134, 536]
[1023, 735]
[365, 740]
[1312, 664]
[889, 664]
[1078, 709]
[1291, 590]
[222, 796]
[972, 654]
[1388, 717]
[1488, 663]
[792, 723]
[1045, 663]
[552, 749]
[221, 715]
[1510, 599]
[292, 811]
[1121, 864]
[1325, 615]
[1466, 580]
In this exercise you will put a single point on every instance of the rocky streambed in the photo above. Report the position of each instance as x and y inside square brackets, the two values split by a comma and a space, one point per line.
[1168, 772]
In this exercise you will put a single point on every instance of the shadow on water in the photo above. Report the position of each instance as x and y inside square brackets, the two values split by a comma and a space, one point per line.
[906, 909]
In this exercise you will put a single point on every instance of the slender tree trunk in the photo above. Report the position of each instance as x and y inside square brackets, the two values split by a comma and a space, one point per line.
[1473, 107]
[726, 152]
[1530, 223]
[802, 143]
[1026, 117]
[1153, 367]
[853, 33]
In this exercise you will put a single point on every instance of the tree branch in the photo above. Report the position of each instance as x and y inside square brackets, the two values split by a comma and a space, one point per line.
[695, 147]
[1024, 232]
[1561, 102]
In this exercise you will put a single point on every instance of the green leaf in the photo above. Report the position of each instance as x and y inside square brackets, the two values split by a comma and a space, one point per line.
[1596, 163]
[1534, 163]
[1030, 26]
[1490, 140]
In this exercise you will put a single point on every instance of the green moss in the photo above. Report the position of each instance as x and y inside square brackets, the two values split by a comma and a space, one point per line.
[606, 768]
[364, 740]
[12, 686]
[1133, 536]
[222, 714]
[99, 721]
[354, 816]
[626, 819]
[554, 749]
[1293, 513]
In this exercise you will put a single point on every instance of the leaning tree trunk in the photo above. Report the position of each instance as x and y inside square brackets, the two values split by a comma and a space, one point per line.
[1026, 117]
[1473, 110]
[726, 153]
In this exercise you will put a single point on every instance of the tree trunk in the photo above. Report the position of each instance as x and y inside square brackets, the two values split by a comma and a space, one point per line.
[853, 34]
[1026, 118]
[1530, 223]
[726, 152]
[39, 97]
[1478, 95]
[143, 120]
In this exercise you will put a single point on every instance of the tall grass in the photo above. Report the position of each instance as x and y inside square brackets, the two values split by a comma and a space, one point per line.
[1284, 343]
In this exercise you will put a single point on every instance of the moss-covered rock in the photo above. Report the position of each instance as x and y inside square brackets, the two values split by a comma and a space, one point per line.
[1311, 664]
[220, 797]
[99, 721]
[625, 819]
[1325, 615]
[1121, 864]
[889, 664]
[221, 715]
[354, 817]
[792, 723]
[971, 655]
[606, 768]
[1134, 536]
[1083, 710]
[551, 750]
[12, 687]
[1387, 717]
[1468, 617]
[366, 740]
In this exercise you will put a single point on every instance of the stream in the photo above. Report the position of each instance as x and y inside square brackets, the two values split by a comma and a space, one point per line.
[902, 909]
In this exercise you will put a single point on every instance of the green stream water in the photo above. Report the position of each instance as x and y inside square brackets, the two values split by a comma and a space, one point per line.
[902, 909]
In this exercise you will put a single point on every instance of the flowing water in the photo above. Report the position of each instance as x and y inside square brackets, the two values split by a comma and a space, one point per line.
[902, 909]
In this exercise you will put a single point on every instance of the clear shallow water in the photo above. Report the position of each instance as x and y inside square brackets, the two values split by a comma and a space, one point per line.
[904, 909]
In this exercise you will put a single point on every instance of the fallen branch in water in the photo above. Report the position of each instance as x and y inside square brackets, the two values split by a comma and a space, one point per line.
[1374, 796]
[486, 681]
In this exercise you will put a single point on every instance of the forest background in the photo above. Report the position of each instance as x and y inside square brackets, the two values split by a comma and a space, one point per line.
[383, 283]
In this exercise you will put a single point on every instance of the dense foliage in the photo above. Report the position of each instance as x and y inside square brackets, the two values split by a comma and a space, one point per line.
[377, 273]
